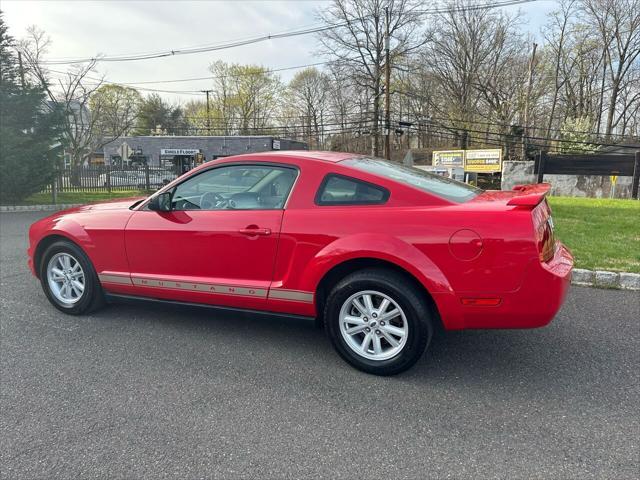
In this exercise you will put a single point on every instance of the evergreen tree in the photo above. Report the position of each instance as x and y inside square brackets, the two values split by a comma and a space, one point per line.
[28, 129]
[155, 116]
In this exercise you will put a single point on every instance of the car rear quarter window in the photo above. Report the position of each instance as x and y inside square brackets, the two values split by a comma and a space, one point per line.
[342, 190]
[443, 187]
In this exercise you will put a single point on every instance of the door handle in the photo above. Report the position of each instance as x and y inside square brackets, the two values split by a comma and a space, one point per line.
[255, 231]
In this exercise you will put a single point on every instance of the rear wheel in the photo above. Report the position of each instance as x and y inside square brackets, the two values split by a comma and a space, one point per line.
[69, 279]
[378, 321]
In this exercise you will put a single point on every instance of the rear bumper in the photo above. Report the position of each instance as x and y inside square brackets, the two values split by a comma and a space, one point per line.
[534, 304]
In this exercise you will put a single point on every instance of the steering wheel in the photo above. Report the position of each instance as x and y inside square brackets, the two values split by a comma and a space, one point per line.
[211, 201]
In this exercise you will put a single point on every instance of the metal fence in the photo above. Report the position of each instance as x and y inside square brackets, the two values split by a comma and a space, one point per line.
[110, 179]
[593, 164]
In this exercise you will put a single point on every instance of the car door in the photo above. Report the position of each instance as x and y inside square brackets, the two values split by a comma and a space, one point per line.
[218, 243]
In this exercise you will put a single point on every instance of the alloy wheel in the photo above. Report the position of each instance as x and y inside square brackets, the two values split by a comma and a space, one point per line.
[66, 278]
[373, 325]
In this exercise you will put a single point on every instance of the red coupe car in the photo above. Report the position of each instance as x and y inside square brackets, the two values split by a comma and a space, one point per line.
[379, 253]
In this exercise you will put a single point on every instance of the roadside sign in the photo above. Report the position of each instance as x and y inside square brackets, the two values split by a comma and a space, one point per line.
[276, 144]
[448, 158]
[614, 179]
[483, 161]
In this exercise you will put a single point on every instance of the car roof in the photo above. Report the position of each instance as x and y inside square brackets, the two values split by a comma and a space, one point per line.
[303, 154]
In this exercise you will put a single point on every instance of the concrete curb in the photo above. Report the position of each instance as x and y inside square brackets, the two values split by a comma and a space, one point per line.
[38, 208]
[604, 279]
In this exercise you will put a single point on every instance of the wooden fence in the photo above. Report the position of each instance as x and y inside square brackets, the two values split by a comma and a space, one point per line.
[621, 165]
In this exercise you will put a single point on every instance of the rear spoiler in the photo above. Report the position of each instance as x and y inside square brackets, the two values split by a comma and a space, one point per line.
[529, 195]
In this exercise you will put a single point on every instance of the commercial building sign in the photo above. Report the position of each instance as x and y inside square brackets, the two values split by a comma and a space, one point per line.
[179, 151]
[448, 158]
[477, 161]
[483, 161]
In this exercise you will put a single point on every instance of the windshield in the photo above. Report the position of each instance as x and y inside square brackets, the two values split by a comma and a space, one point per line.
[429, 182]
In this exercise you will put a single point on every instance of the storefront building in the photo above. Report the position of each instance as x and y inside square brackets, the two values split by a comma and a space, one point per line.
[183, 153]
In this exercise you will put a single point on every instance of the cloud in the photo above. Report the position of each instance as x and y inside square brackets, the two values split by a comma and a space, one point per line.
[82, 29]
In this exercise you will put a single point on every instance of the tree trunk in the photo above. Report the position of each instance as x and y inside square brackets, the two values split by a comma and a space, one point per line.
[615, 90]
[375, 147]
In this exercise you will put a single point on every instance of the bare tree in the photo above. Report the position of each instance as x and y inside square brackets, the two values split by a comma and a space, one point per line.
[358, 41]
[348, 107]
[71, 92]
[628, 114]
[308, 93]
[555, 35]
[618, 23]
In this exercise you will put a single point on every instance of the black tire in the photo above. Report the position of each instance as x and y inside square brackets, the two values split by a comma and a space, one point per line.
[400, 289]
[92, 297]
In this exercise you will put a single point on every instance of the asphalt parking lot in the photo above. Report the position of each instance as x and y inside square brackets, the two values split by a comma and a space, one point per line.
[156, 392]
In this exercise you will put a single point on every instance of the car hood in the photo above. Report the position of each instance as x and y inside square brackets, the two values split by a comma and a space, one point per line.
[117, 204]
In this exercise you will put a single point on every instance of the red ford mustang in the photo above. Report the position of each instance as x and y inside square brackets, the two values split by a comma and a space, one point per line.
[379, 253]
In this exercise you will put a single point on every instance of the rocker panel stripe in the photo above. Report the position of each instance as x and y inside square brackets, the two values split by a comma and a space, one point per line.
[294, 295]
[111, 278]
[200, 287]
[213, 288]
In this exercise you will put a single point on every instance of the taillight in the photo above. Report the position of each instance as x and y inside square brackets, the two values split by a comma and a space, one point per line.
[543, 225]
[548, 246]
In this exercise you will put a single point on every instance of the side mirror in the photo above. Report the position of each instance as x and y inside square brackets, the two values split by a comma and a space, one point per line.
[161, 203]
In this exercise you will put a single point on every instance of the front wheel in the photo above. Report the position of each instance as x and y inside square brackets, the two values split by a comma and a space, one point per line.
[69, 279]
[378, 321]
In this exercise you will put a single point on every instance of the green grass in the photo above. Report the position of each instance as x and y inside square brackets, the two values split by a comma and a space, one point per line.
[79, 197]
[602, 234]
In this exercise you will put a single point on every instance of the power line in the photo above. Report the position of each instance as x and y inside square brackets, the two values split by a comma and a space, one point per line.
[144, 89]
[211, 77]
[245, 74]
[546, 139]
[356, 125]
[262, 38]
[191, 50]
[479, 122]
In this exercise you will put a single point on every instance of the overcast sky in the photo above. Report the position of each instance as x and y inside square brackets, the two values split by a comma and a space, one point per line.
[86, 28]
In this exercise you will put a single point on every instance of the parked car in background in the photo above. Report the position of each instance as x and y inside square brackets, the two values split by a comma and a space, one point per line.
[378, 253]
[136, 178]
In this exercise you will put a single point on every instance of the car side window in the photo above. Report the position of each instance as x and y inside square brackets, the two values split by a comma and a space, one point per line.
[236, 187]
[341, 190]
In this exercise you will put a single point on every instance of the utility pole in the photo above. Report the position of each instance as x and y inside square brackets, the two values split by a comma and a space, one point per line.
[464, 144]
[322, 131]
[21, 68]
[208, 117]
[387, 88]
[526, 101]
